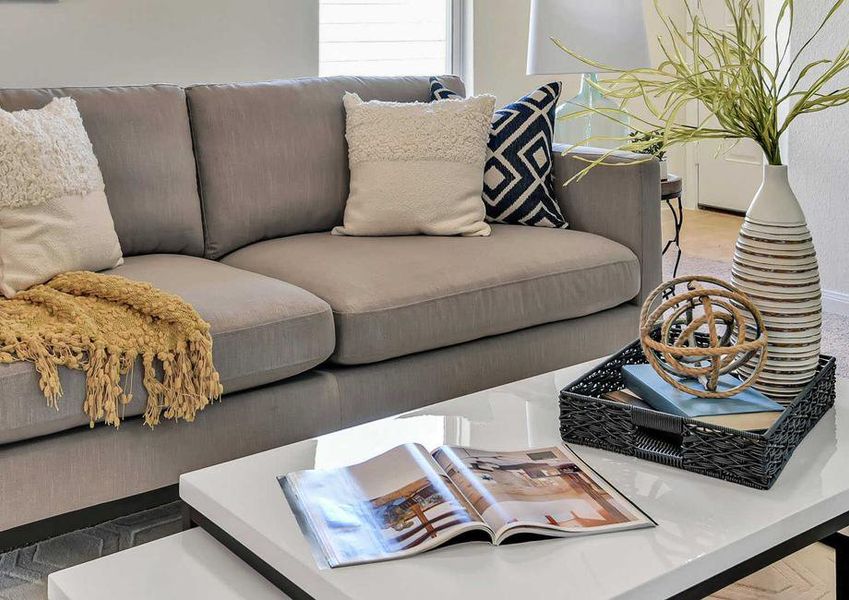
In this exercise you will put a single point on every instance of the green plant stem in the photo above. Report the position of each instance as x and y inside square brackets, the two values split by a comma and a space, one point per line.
[722, 70]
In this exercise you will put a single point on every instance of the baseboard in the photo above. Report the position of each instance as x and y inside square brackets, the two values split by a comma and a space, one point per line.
[724, 211]
[835, 302]
[31, 533]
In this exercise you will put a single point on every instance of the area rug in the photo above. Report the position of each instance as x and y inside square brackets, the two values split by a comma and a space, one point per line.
[805, 575]
[23, 572]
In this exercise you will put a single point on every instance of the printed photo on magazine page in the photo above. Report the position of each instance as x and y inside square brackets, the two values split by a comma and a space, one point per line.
[394, 505]
[548, 488]
[408, 501]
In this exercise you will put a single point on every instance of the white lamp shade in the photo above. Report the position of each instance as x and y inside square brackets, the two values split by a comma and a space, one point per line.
[610, 32]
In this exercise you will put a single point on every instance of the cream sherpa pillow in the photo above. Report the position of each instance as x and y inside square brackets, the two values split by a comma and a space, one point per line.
[416, 167]
[53, 212]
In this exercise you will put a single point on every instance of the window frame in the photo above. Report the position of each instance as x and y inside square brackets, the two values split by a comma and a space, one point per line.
[456, 51]
[455, 38]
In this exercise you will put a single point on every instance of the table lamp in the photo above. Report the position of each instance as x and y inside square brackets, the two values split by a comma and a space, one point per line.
[610, 32]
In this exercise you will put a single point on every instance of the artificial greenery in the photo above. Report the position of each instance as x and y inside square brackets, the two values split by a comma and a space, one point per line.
[655, 147]
[750, 87]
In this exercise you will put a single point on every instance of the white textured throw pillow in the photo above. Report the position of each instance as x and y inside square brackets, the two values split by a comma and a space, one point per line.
[53, 211]
[416, 167]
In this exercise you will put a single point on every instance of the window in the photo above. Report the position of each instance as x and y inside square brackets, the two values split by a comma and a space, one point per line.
[387, 37]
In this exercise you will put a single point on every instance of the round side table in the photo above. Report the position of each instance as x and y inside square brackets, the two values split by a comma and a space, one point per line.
[671, 189]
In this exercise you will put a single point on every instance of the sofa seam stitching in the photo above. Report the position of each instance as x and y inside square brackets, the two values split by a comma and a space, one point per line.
[198, 176]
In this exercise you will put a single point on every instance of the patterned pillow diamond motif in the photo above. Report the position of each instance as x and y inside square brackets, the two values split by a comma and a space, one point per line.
[519, 176]
[440, 92]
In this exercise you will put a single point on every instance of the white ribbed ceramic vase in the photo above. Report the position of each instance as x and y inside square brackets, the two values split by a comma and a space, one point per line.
[775, 263]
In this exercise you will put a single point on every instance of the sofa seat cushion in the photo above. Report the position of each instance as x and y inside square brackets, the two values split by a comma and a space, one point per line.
[393, 296]
[263, 330]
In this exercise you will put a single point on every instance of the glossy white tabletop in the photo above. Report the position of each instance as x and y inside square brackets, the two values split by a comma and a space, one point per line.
[187, 566]
[705, 525]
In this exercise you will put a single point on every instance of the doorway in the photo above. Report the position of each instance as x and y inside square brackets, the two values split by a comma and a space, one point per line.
[728, 176]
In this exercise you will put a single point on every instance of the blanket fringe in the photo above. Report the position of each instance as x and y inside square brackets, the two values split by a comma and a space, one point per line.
[189, 379]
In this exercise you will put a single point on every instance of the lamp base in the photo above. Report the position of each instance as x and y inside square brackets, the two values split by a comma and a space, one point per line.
[591, 129]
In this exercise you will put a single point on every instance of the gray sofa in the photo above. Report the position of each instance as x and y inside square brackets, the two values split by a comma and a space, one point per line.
[225, 195]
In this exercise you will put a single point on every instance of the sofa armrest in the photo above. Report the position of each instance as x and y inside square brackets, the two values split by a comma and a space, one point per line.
[621, 203]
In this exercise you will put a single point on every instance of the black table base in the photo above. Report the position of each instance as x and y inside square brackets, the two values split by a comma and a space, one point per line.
[672, 189]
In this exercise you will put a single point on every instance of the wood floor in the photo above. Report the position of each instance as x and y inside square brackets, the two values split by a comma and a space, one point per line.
[706, 234]
[808, 574]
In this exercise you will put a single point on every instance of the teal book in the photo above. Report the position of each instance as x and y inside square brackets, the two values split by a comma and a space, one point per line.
[749, 410]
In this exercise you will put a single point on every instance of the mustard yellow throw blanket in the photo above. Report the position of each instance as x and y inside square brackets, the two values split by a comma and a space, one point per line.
[100, 324]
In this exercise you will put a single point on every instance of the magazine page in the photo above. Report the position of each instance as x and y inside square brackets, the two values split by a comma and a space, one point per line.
[396, 504]
[548, 491]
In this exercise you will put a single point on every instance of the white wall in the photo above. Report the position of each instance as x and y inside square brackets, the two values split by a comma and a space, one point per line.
[819, 159]
[500, 50]
[102, 42]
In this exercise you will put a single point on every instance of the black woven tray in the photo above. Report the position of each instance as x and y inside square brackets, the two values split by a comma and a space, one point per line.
[752, 459]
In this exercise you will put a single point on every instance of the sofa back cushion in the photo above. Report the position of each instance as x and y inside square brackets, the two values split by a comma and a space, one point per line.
[142, 141]
[272, 159]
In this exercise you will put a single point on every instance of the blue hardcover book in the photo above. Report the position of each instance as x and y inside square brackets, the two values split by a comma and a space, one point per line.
[749, 410]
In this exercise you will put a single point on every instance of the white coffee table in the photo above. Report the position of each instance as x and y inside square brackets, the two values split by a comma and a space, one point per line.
[185, 566]
[710, 533]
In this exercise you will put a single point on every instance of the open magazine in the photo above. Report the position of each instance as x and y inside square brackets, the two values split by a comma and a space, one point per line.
[407, 501]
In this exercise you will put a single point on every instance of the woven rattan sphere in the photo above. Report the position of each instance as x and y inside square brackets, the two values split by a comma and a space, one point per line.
[707, 331]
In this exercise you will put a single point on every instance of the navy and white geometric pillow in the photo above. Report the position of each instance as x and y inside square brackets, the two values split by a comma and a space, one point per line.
[519, 176]
[440, 92]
